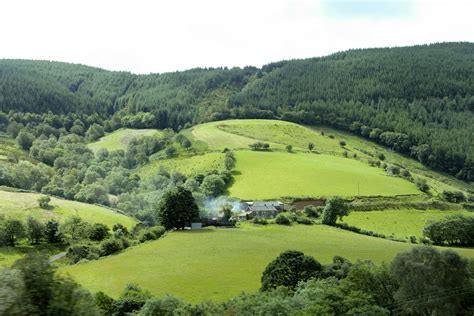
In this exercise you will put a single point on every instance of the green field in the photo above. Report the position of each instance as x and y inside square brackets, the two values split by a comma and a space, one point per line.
[189, 166]
[120, 138]
[216, 264]
[21, 205]
[400, 223]
[266, 175]
[9, 149]
[238, 134]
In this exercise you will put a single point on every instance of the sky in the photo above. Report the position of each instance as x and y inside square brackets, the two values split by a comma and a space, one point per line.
[149, 36]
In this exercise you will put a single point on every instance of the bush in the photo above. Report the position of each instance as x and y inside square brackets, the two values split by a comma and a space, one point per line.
[405, 173]
[422, 185]
[393, 170]
[453, 196]
[312, 211]
[44, 202]
[381, 156]
[77, 252]
[98, 232]
[110, 246]
[304, 220]
[282, 219]
[259, 146]
[342, 143]
[152, 233]
[120, 227]
[260, 221]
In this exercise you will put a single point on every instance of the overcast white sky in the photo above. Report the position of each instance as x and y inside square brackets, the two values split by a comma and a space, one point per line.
[144, 36]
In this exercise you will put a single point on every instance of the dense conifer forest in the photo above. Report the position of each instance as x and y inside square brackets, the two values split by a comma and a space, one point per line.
[417, 100]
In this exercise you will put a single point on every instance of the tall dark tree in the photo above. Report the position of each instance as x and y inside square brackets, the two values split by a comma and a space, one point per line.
[288, 269]
[177, 208]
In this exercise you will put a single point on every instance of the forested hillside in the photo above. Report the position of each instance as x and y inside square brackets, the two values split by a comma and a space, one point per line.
[417, 100]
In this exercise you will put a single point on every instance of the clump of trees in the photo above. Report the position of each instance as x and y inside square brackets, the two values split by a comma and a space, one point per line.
[259, 146]
[453, 196]
[454, 230]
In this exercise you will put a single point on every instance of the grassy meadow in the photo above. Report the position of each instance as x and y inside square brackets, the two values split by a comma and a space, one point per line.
[266, 175]
[238, 134]
[401, 223]
[216, 264]
[188, 165]
[9, 148]
[21, 205]
[120, 138]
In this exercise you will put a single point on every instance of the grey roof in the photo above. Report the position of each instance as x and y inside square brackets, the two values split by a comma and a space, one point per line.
[262, 207]
[265, 203]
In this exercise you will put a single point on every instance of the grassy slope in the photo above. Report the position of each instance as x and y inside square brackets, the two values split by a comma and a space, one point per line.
[215, 264]
[238, 134]
[401, 223]
[189, 166]
[266, 175]
[120, 138]
[20, 205]
[8, 147]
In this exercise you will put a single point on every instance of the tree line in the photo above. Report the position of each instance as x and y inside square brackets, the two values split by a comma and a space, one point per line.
[416, 100]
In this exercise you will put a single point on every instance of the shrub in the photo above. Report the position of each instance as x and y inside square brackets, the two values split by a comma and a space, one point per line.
[453, 196]
[259, 146]
[304, 220]
[120, 227]
[282, 219]
[44, 202]
[393, 170]
[405, 173]
[422, 185]
[110, 246]
[312, 211]
[98, 232]
[77, 252]
[413, 240]
[381, 156]
[342, 143]
[259, 221]
[152, 233]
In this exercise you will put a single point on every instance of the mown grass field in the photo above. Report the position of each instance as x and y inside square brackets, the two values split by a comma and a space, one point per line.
[216, 264]
[120, 138]
[21, 205]
[266, 175]
[188, 165]
[401, 223]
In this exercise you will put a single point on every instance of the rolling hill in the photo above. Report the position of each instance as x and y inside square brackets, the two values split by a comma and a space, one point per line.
[216, 264]
[120, 138]
[420, 98]
[324, 172]
[21, 205]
